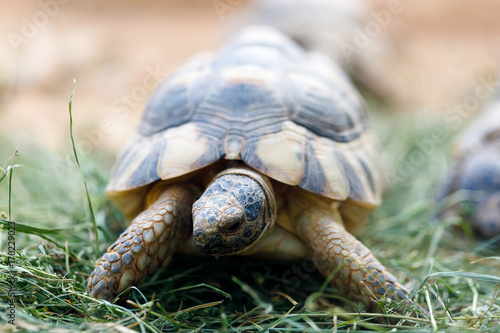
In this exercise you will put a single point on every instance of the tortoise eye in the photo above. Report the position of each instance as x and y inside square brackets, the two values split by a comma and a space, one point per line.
[234, 226]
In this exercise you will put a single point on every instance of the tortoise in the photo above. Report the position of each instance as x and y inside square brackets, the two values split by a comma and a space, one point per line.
[475, 172]
[260, 148]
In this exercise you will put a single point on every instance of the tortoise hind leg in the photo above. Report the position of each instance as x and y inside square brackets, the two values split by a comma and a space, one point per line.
[150, 240]
[358, 273]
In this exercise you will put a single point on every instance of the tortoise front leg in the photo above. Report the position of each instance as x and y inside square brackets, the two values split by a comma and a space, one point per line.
[358, 273]
[150, 240]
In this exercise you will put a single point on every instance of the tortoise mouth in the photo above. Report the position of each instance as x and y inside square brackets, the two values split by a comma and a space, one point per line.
[215, 243]
[212, 245]
[216, 235]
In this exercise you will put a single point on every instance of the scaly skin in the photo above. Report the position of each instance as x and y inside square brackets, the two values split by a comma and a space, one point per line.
[233, 213]
[150, 240]
[358, 273]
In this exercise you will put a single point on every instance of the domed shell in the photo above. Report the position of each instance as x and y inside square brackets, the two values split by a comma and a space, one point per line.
[474, 176]
[261, 99]
[474, 153]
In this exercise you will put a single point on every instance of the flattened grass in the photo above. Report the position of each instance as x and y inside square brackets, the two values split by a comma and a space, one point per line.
[453, 277]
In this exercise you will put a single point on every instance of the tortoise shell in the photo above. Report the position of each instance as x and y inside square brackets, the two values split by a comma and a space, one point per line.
[475, 174]
[290, 114]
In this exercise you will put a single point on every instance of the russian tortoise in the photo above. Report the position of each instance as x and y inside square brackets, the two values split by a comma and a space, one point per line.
[475, 173]
[277, 140]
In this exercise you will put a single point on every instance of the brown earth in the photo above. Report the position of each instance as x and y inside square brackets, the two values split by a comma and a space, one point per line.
[118, 51]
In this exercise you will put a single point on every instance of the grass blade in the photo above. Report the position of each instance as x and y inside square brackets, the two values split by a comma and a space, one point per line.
[89, 202]
[10, 171]
[467, 275]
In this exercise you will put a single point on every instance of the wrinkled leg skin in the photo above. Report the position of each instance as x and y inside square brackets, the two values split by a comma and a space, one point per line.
[359, 274]
[149, 241]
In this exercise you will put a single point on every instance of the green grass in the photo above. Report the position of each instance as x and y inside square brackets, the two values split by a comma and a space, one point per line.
[453, 277]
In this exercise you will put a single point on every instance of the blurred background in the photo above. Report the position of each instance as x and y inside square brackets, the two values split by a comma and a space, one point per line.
[423, 58]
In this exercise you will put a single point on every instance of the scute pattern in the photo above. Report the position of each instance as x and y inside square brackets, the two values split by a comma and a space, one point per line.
[291, 115]
[325, 110]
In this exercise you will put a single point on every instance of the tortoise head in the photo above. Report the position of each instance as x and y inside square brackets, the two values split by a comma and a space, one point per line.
[236, 210]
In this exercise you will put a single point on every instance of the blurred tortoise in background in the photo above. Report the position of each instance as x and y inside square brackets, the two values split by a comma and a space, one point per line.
[277, 139]
[347, 31]
[475, 172]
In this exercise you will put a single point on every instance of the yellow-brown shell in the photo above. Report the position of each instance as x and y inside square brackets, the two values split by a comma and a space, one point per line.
[261, 99]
